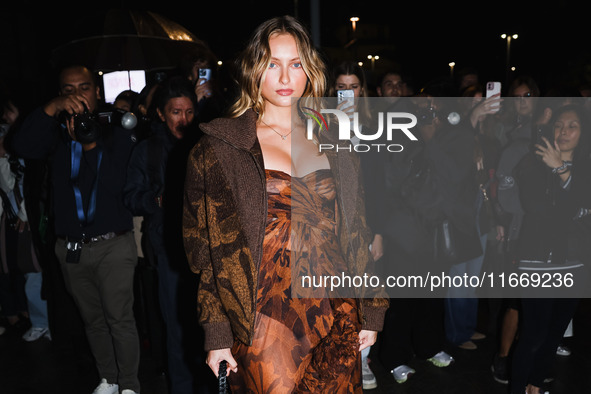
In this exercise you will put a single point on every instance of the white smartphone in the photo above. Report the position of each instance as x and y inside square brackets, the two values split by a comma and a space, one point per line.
[205, 74]
[345, 95]
[493, 88]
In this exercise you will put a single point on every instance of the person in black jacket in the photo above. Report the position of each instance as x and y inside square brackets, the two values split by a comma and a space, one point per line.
[95, 245]
[555, 238]
[154, 189]
[430, 179]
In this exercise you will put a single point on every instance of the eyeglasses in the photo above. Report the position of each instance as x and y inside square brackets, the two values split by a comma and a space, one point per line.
[528, 94]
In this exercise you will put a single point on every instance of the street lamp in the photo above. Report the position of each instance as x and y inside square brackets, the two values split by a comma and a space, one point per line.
[354, 20]
[451, 68]
[508, 37]
[373, 60]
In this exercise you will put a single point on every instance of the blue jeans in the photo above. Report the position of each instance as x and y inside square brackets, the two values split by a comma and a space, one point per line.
[37, 305]
[461, 306]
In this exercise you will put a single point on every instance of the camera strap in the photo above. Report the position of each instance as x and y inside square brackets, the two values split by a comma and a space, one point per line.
[76, 158]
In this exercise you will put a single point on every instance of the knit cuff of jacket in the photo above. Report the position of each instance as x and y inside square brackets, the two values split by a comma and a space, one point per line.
[218, 336]
[373, 317]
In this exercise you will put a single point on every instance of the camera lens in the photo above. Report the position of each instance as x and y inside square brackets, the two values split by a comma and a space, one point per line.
[86, 128]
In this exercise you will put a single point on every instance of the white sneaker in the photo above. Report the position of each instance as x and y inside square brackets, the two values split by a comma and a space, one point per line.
[34, 333]
[367, 376]
[402, 372]
[441, 359]
[128, 391]
[563, 350]
[106, 388]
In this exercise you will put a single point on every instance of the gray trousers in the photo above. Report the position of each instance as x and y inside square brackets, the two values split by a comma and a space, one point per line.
[102, 287]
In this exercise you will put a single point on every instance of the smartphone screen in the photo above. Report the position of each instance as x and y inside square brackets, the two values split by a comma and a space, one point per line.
[204, 73]
[345, 94]
[493, 88]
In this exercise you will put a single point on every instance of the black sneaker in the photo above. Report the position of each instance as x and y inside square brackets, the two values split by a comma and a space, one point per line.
[22, 325]
[499, 369]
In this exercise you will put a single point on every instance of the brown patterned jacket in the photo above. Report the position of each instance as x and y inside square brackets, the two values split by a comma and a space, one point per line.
[224, 223]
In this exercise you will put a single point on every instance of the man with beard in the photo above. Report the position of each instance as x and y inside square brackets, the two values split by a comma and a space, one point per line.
[154, 190]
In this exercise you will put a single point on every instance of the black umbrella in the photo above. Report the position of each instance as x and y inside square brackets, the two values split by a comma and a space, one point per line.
[130, 40]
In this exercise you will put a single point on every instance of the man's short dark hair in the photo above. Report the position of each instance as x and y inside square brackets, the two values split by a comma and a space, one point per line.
[176, 86]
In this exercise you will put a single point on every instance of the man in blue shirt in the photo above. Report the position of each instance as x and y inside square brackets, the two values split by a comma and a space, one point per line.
[95, 244]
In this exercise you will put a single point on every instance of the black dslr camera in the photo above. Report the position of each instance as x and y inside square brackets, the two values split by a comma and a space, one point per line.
[425, 115]
[88, 125]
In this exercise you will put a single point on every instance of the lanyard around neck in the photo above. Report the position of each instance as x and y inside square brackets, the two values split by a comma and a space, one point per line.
[84, 218]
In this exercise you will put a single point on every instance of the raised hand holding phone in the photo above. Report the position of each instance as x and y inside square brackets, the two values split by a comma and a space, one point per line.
[490, 105]
[346, 101]
[204, 75]
[202, 87]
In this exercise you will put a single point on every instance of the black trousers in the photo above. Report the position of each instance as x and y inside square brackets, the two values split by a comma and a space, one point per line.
[542, 325]
[413, 326]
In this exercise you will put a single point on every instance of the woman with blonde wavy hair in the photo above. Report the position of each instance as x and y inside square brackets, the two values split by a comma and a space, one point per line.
[243, 179]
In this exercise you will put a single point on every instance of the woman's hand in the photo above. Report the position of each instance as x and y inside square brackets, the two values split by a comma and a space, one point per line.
[549, 153]
[367, 338]
[377, 247]
[488, 106]
[500, 233]
[215, 357]
[348, 108]
[202, 89]
[545, 117]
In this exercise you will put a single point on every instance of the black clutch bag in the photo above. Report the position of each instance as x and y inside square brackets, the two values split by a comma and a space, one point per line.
[222, 378]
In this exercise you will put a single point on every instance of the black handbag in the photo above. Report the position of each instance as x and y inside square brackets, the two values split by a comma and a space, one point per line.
[454, 245]
[222, 378]
[432, 238]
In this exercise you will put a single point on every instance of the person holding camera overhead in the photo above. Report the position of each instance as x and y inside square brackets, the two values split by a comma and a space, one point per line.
[95, 244]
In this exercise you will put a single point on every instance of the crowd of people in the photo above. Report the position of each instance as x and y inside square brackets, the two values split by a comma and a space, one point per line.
[177, 229]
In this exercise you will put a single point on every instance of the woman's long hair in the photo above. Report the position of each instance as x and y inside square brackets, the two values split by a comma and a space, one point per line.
[254, 61]
[583, 148]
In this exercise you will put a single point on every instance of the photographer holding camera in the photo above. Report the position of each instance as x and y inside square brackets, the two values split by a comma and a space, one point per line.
[95, 244]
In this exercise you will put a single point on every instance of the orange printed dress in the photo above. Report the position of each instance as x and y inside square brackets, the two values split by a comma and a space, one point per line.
[300, 344]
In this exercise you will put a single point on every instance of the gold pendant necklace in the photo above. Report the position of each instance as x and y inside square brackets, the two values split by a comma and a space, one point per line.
[283, 136]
